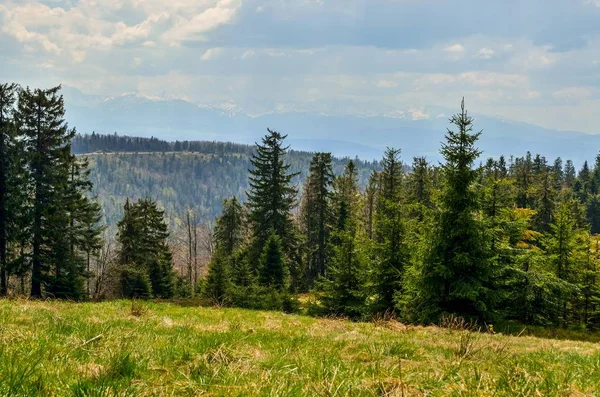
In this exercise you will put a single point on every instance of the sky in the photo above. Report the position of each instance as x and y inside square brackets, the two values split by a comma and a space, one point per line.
[536, 61]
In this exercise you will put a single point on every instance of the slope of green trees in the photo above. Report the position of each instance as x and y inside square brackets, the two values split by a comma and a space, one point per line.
[503, 240]
[198, 175]
[507, 239]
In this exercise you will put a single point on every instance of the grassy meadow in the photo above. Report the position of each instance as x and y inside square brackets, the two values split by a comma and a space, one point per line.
[167, 349]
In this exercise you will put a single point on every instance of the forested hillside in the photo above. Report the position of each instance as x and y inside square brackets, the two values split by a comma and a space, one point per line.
[179, 175]
[514, 238]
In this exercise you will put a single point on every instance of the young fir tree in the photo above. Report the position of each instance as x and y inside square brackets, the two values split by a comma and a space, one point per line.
[420, 186]
[563, 250]
[558, 174]
[7, 141]
[218, 285]
[497, 198]
[569, 174]
[457, 276]
[317, 216]
[545, 196]
[144, 254]
[524, 180]
[229, 231]
[391, 253]
[273, 271]
[344, 289]
[344, 198]
[588, 284]
[370, 199]
[271, 197]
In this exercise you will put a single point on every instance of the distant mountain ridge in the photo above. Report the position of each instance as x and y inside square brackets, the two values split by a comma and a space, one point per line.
[365, 136]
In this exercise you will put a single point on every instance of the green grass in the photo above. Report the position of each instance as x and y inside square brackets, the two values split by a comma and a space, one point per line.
[106, 349]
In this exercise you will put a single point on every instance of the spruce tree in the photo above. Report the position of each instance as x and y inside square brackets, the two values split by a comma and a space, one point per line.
[344, 198]
[391, 254]
[344, 291]
[40, 119]
[545, 196]
[218, 280]
[229, 232]
[273, 271]
[371, 203]
[271, 197]
[563, 252]
[456, 275]
[144, 253]
[420, 184]
[569, 174]
[317, 216]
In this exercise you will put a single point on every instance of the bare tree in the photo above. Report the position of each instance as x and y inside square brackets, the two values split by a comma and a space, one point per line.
[103, 264]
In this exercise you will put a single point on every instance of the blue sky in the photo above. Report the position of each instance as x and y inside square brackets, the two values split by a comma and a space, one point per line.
[534, 61]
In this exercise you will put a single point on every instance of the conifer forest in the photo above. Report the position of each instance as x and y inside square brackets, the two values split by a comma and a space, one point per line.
[513, 238]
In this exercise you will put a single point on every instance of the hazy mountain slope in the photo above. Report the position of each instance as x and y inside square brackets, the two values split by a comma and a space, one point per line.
[181, 180]
[343, 135]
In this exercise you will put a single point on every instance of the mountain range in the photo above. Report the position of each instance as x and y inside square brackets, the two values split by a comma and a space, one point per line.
[365, 135]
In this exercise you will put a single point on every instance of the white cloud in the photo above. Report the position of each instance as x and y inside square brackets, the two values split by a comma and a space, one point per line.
[455, 49]
[248, 54]
[418, 114]
[202, 22]
[485, 53]
[211, 53]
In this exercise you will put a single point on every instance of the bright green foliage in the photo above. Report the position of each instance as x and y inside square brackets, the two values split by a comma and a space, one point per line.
[391, 255]
[545, 196]
[317, 217]
[565, 253]
[589, 298]
[370, 203]
[345, 198]
[419, 188]
[344, 292]
[457, 276]
[273, 271]
[218, 280]
[143, 239]
[523, 172]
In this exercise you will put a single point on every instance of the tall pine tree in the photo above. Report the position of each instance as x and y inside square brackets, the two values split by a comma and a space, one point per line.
[456, 275]
[271, 197]
[317, 216]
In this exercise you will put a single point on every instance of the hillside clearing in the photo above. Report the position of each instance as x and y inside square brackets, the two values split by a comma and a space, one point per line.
[94, 349]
